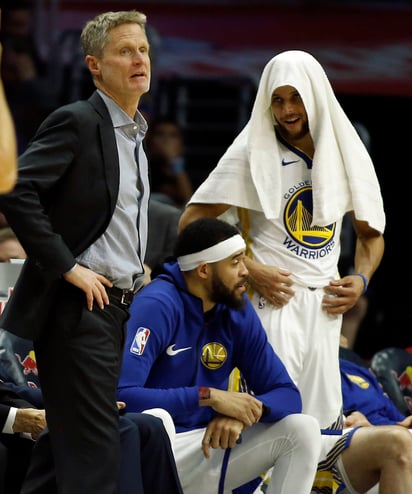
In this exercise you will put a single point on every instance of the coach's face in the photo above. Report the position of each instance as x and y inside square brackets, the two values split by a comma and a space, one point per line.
[123, 71]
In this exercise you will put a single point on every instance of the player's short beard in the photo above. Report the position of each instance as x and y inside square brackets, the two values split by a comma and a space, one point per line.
[221, 294]
[293, 137]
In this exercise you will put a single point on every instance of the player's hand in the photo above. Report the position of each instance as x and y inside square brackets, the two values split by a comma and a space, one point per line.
[406, 422]
[272, 283]
[341, 295]
[356, 419]
[30, 420]
[92, 284]
[241, 406]
[222, 432]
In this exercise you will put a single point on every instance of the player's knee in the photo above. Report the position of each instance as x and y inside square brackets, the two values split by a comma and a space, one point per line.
[398, 443]
[306, 431]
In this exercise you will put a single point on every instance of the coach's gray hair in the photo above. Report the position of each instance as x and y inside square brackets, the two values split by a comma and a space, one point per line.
[94, 35]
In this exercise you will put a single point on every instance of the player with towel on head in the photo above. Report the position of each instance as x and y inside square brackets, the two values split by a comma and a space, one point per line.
[289, 178]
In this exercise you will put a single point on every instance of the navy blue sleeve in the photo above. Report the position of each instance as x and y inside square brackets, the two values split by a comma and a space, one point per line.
[31, 395]
[148, 329]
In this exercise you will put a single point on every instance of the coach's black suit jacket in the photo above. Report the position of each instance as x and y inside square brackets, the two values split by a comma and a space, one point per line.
[65, 197]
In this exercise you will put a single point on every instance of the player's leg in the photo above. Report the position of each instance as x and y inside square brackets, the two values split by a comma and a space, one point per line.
[289, 446]
[305, 340]
[320, 382]
[378, 454]
[285, 333]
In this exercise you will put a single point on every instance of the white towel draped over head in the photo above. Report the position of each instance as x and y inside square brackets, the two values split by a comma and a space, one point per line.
[343, 176]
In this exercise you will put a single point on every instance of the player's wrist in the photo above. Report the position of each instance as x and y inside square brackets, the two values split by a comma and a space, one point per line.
[265, 411]
[365, 281]
[204, 394]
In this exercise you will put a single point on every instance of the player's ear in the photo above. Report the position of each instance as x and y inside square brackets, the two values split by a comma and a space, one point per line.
[203, 270]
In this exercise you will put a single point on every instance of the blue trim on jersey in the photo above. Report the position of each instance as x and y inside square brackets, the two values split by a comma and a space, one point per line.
[297, 151]
[225, 462]
[329, 464]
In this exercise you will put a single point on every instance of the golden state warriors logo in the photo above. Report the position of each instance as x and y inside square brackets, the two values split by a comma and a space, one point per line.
[298, 219]
[358, 380]
[214, 355]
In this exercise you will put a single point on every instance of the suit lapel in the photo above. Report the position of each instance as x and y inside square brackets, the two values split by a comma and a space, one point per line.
[109, 149]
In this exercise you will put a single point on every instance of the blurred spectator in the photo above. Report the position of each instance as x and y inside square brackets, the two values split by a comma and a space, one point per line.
[31, 96]
[18, 17]
[170, 182]
[19, 24]
[162, 233]
[10, 246]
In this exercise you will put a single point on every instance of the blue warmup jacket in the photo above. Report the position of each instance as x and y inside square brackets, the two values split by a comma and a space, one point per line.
[361, 391]
[172, 348]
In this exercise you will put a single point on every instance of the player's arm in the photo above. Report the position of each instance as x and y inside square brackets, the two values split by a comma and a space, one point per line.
[149, 332]
[272, 282]
[369, 250]
[406, 422]
[241, 406]
[196, 211]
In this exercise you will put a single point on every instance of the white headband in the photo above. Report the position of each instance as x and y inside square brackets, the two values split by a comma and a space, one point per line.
[215, 253]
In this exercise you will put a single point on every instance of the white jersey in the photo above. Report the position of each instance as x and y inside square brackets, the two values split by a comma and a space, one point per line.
[311, 253]
[302, 333]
